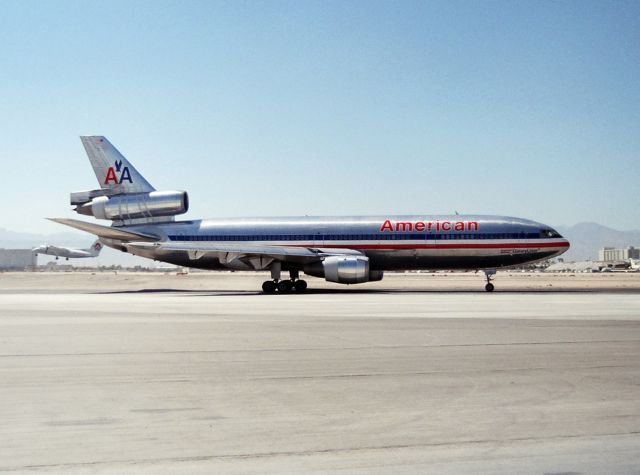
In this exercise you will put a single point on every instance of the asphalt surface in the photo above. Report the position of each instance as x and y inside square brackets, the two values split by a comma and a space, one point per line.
[349, 382]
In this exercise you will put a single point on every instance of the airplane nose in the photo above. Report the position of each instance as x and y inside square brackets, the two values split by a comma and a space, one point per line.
[564, 247]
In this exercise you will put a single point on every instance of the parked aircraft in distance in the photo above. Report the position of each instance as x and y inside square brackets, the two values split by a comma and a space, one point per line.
[345, 250]
[68, 252]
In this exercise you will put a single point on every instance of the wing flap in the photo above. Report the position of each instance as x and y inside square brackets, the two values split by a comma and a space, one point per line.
[233, 252]
[256, 256]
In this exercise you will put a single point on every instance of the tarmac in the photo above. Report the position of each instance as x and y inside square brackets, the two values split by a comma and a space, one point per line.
[419, 373]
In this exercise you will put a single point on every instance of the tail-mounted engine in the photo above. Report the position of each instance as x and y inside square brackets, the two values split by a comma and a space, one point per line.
[344, 270]
[131, 206]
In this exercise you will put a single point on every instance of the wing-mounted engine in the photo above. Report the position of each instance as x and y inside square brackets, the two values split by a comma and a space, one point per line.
[344, 270]
[131, 208]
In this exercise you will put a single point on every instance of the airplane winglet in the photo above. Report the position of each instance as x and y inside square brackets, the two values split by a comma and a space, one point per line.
[106, 232]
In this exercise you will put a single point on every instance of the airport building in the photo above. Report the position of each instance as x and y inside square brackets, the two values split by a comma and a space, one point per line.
[17, 259]
[609, 254]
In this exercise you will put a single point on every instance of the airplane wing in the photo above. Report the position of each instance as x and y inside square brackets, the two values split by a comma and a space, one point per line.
[107, 232]
[256, 256]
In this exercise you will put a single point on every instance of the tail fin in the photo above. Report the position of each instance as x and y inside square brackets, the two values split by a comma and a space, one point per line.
[95, 248]
[114, 172]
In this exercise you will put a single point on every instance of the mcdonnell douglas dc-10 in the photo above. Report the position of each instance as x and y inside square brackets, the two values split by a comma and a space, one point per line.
[345, 250]
[68, 252]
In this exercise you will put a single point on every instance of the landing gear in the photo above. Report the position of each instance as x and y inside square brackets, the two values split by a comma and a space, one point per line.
[300, 285]
[268, 286]
[489, 273]
[283, 286]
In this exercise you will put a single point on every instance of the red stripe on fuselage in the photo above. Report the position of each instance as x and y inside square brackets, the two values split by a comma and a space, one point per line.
[434, 246]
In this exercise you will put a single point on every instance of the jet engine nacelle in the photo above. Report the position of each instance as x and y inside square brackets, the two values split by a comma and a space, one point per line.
[344, 270]
[138, 205]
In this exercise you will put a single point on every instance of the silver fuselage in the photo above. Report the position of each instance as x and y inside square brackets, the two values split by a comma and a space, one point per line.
[391, 242]
[63, 252]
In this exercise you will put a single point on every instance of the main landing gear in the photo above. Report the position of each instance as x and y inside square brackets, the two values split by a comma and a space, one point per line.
[489, 273]
[283, 286]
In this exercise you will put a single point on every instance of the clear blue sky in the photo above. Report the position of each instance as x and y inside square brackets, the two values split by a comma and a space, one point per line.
[261, 108]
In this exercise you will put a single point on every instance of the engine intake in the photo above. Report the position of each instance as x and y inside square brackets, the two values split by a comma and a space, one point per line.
[138, 205]
[344, 270]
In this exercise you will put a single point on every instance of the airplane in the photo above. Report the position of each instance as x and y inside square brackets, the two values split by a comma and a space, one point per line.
[344, 250]
[91, 251]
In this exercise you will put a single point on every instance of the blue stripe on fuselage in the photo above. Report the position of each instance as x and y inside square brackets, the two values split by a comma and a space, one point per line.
[354, 237]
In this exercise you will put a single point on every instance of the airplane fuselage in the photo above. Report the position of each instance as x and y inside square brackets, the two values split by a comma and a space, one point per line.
[63, 252]
[390, 242]
[67, 252]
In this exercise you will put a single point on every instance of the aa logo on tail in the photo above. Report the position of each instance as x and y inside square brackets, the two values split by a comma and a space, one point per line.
[112, 174]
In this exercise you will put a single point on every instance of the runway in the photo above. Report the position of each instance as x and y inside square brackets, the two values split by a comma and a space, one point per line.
[217, 380]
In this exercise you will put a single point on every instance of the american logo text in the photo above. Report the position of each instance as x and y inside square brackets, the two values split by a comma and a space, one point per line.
[429, 226]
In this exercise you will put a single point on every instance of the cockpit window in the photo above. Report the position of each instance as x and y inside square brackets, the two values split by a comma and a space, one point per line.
[549, 233]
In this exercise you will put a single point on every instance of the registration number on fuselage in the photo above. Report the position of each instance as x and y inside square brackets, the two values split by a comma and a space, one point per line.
[512, 252]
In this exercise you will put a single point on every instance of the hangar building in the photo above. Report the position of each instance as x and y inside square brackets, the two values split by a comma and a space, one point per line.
[609, 254]
[17, 259]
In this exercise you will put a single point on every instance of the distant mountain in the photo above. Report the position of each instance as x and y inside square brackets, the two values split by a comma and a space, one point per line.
[588, 238]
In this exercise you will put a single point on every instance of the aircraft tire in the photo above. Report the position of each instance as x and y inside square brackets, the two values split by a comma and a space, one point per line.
[300, 285]
[284, 286]
[268, 287]
[489, 287]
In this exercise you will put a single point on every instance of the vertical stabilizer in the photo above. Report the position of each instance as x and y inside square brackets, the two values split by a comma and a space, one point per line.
[114, 172]
[95, 248]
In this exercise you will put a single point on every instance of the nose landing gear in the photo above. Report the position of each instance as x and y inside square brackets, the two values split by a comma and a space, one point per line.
[489, 273]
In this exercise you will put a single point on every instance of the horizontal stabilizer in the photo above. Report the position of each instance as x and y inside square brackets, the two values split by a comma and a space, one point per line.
[106, 232]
